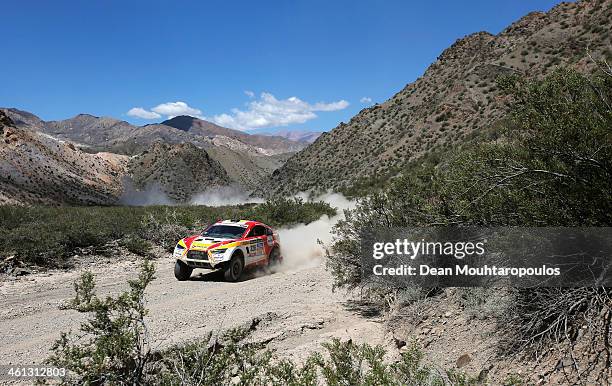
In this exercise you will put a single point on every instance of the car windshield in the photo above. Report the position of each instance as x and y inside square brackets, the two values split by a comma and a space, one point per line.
[224, 231]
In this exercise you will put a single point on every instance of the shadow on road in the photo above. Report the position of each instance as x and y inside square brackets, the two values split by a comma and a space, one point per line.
[217, 276]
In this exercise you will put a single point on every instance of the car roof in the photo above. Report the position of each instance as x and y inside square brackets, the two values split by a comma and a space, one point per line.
[241, 223]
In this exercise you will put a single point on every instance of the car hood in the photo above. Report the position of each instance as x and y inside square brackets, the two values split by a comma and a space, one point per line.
[200, 242]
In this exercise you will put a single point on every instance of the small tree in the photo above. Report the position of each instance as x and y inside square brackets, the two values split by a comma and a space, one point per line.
[113, 344]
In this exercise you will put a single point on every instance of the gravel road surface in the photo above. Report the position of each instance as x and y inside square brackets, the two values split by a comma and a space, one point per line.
[296, 309]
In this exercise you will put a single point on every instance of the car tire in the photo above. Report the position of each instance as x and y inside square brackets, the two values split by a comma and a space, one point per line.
[234, 269]
[274, 257]
[182, 271]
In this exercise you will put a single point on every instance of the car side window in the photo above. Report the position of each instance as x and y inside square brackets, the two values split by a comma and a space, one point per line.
[257, 230]
[269, 232]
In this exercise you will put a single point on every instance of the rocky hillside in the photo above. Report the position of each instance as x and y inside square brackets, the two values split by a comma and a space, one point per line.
[267, 144]
[110, 134]
[247, 171]
[93, 133]
[59, 161]
[37, 168]
[454, 100]
[246, 165]
[180, 171]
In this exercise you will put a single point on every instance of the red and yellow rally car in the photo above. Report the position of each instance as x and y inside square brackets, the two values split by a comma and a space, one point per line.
[229, 245]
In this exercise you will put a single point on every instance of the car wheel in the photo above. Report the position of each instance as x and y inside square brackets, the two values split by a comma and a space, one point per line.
[274, 257]
[182, 271]
[234, 268]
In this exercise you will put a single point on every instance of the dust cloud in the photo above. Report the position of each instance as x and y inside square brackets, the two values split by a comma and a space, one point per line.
[151, 195]
[300, 244]
[224, 195]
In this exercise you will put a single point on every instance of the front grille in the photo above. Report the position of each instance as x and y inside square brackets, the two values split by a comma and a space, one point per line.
[199, 264]
[197, 255]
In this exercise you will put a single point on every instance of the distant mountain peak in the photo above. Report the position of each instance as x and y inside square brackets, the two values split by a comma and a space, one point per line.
[272, 144]
[181, 122]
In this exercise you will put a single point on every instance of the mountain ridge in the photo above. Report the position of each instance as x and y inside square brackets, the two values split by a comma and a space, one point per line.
[177, 169]
[455, 99]
[297, 135]
[202, 127]
[108, 133]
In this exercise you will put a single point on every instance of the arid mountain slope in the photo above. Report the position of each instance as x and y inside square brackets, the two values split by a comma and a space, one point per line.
[454, 99]
[180, 171]
[63, 172]
[248, 171]
[37, 168]
[104, 133]
[246, 165]
[270, 144]
[110, 134]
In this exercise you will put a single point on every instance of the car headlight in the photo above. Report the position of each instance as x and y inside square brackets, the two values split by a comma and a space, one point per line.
[178, 251]
[217, 253]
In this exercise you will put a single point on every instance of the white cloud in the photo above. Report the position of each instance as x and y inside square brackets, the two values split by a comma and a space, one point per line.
[169, 110]
[172, 109]
[139, 112]
[268, 111]
[366, 100]
[334, 106]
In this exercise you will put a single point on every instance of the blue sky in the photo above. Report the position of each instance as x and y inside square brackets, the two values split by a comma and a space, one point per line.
[250, 64]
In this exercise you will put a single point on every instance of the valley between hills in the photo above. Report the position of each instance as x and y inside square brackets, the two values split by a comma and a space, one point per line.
[131, 191]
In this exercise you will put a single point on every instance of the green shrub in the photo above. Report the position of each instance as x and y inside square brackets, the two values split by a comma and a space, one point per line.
[340, 363]
[514, 380]
[287, 211]
[48, 236]
[112, 348]
[136, 245]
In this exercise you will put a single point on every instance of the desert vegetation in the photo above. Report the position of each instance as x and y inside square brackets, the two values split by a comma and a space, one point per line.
[551, 167]
[113, 347]
[52, 236]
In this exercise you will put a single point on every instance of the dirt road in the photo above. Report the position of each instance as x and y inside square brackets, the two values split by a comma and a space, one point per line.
[297, 309]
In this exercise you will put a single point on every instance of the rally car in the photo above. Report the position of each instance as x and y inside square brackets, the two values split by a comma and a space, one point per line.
[229, 245]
